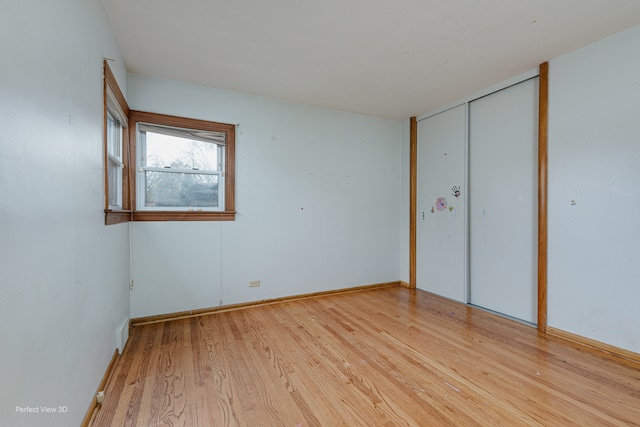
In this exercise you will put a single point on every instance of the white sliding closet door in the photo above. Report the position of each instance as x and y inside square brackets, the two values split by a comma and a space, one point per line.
[503, 158]
[441, 260]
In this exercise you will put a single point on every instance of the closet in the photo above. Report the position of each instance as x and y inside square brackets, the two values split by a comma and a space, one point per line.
[477, 202]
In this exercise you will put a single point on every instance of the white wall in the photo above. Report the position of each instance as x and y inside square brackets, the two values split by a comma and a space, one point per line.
[63, 274]
[318, 196]
[594, 189]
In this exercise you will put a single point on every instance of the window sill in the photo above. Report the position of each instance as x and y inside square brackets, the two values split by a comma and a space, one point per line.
[116, 217]
[183, 216]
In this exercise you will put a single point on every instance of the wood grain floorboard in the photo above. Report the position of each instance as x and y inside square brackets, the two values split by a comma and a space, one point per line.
[383, 357]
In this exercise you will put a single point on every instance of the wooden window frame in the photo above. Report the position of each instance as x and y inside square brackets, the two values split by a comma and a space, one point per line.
[228, 214]
[116, 216]
[128, 212]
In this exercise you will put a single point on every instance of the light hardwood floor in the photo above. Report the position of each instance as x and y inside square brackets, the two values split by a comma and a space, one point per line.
[384, 357]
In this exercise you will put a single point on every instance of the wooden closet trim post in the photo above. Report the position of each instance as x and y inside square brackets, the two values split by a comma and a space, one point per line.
[413, 198]
[543, 104]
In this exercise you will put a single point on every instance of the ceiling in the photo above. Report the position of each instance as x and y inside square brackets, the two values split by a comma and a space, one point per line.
[390, 59]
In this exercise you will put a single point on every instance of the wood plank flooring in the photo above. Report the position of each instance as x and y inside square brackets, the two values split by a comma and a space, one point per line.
[384, 357]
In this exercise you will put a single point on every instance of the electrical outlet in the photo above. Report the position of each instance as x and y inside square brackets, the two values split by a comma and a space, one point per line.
[254, 283]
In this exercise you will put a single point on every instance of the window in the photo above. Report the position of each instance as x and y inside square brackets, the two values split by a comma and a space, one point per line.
[114, 162]
[184, 168]
[116, 148]
[179, 168]
[165, 168]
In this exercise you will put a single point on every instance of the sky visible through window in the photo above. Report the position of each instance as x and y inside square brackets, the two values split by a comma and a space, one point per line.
[164, 151]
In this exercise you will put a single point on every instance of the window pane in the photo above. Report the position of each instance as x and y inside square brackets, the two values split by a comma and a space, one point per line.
[113, 171]
[114, 132]
[168, 189]
[164, 151]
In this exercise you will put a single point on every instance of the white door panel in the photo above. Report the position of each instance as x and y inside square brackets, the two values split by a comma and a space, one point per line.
[503, 201]
[441, 216]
